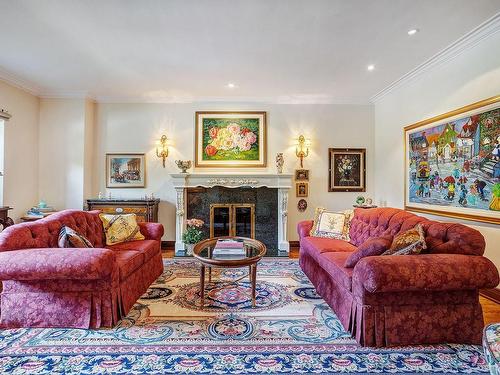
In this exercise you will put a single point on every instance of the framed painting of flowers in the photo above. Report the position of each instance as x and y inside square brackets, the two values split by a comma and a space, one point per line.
[347, 171]
[230, 139]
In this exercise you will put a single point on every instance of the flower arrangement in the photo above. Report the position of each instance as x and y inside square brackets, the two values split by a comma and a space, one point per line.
[230, 138]
[193, 233]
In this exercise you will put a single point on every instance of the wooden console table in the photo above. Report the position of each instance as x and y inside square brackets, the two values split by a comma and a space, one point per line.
[145, 209]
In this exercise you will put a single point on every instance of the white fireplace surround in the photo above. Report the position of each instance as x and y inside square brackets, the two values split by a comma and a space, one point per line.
[183, 181]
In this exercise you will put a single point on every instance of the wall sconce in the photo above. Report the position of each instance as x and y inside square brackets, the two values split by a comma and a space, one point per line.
[299, 150]
[164, 149]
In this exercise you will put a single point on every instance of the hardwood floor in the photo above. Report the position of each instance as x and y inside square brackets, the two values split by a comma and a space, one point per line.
[491, 309]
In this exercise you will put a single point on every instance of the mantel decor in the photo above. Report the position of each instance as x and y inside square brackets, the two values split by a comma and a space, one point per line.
[230, 139]
[452, 163]
[347, 169]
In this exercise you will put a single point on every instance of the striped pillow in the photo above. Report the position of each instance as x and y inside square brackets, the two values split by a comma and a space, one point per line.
[120, 228]
[70, 238]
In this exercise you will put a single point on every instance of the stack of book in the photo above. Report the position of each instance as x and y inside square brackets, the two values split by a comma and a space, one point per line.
[229, 249]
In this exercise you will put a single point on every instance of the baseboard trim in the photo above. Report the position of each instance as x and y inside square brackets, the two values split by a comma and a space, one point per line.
[167, 245]
[491, 294]
[294, 243]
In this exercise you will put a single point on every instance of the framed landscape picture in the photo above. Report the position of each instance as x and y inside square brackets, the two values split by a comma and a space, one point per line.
[125, 171]
[452, 163]
[347, 169]
[302, 174]
[230, 139]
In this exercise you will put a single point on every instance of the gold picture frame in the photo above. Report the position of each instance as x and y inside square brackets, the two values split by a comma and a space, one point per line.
[132, 177]
[429, 187]
[302, 189]
[230, 139]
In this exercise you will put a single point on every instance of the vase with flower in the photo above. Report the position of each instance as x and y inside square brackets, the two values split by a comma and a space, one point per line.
[193, 234]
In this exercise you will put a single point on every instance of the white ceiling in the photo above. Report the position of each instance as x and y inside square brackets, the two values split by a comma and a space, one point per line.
[188, 50]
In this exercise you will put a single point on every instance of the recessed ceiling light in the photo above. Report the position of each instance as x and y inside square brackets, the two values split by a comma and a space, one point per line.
[412, 31]
[370, 67]
[231, 85]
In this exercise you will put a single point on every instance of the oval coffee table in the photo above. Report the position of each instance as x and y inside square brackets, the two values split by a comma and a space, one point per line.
[254, 251]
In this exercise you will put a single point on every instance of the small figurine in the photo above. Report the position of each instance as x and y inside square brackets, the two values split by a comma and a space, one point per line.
[279, 162]
[184, 165]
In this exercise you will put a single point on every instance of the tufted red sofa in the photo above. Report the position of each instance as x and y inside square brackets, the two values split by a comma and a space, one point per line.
[402, 300]
[47, 286]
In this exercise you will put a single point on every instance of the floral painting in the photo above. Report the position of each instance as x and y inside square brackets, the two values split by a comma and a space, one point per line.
[453, 164]
[235, 139]
[346, 169]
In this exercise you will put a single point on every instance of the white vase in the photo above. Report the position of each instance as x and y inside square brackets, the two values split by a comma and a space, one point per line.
[189, 248]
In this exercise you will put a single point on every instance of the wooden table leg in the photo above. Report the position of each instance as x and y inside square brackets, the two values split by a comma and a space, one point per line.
[254, 281]
[202, 286]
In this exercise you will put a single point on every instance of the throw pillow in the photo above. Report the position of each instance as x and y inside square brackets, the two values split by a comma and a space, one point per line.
[410, 242]
[70, 238]
[371, 247]
[328, 224]
[120, 228]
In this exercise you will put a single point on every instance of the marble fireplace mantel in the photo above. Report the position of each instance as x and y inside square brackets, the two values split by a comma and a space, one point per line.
[183, 181]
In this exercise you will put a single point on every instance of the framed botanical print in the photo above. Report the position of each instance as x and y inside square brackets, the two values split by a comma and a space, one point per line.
[230, 139]
[452, 163]
[301, 189]
[125, 170]
[347, 169]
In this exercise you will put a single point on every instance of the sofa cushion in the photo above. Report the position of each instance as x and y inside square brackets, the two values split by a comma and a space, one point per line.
[318, 245]
[128, 262]
[70, 238]
[333, 263]
[332, 224]
[372, 247]
[148, 247]
[120, 228]
[409, 242]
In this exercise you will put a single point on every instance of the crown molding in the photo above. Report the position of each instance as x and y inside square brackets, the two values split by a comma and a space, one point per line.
[469, 40]
[65, 95]
[18, 82]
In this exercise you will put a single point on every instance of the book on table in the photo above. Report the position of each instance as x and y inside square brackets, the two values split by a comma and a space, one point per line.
[229, 247]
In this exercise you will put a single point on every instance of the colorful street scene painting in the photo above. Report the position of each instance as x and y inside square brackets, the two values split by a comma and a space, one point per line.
[456, 163]
[230, 139]
[125, 170]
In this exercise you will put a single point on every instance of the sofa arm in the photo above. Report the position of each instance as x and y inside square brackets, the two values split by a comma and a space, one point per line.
[432, 272]
[57, 264]
[304, 228]
[152, 231]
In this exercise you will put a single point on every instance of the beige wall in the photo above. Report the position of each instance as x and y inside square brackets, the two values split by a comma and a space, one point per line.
[472, 76]
[21, 149]
[136, 128]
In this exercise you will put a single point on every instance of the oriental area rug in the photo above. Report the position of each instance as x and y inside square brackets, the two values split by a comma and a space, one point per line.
[290, 331]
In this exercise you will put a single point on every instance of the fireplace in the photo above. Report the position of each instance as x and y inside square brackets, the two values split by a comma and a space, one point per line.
[245, 205]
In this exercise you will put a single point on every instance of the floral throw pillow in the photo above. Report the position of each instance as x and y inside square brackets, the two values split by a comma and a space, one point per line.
[120, 228]
[70, 238]
[409, 242]
[330, 224]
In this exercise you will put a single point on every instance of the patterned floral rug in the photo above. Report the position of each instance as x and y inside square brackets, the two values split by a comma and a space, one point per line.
[291, 330]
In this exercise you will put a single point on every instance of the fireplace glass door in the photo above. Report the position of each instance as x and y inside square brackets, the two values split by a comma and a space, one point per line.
[232, 220]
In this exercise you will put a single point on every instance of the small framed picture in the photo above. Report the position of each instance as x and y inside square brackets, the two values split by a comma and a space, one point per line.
[302, 205]
[302, 174]
[125, 170]
[302, 189]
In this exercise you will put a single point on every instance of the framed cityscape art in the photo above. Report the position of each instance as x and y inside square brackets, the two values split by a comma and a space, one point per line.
[347, 169]
[230, 139]
[125, 171]
[452, 163]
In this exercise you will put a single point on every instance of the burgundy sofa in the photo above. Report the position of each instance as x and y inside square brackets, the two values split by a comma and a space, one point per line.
[47, 286]
[402, 299]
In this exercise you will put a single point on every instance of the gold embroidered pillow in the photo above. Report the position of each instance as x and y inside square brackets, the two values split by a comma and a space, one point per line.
[409, 242]
[120, 228]
[328, 224]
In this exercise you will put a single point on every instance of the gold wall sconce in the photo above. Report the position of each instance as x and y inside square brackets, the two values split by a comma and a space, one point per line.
[164, 149]
[302, 149]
